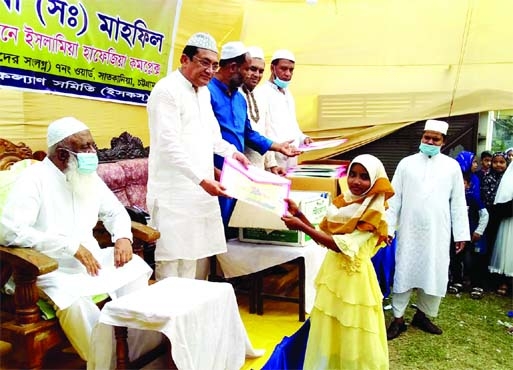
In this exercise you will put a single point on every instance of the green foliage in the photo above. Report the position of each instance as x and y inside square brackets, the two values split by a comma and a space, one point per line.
[502, 134]
[472, 338]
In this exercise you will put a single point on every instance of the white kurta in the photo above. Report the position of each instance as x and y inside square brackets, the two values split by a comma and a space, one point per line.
[43, 213]
[262, 127]
[283, 124]
[429, 199]
[184, 135]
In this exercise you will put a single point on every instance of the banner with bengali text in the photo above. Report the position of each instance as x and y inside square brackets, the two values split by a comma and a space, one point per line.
[97, 49]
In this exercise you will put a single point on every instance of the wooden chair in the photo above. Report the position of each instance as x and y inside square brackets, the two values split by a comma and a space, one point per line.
[21, 323]
[11, 153]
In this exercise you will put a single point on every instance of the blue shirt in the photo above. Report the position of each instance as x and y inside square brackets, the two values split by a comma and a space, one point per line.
[231, 112]
[232, 115]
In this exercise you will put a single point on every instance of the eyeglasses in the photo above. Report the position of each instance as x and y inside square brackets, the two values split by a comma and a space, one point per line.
[206, 64]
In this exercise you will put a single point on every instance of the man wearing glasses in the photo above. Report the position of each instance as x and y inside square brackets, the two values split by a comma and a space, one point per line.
[230, 109]
[182, 192]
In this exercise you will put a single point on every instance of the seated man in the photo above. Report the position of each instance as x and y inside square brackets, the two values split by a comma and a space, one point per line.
[53, 208]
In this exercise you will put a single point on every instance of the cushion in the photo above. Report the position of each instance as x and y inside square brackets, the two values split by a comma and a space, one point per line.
[9, 177]
[48, 311]
[113, 175]
[127, 179]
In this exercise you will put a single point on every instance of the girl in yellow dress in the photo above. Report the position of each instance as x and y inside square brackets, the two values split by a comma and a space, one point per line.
[347, 322]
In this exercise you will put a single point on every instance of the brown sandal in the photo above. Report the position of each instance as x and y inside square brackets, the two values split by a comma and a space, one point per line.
[502, 290]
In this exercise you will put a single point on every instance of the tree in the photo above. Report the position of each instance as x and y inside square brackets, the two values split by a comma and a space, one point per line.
[502, 134]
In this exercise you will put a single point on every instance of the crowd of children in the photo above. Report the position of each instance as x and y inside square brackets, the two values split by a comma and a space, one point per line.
[486, 263]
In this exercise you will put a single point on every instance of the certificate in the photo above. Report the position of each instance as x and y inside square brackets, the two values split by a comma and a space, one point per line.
[255, 186]
[324, 144]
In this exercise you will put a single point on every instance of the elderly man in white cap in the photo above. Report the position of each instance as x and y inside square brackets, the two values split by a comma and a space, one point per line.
[429, 200]
[230, 109]
[257, 110]
[182, 192]
[53, 208]
[281, 105]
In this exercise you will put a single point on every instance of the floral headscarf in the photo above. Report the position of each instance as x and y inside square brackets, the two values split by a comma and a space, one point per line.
[491, 182]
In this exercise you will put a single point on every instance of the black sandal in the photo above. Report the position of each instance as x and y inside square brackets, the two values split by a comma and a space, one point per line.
[455, 288]
[476, 293]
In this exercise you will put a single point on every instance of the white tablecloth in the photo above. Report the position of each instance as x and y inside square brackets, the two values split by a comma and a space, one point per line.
[246, 258]
[200, 318]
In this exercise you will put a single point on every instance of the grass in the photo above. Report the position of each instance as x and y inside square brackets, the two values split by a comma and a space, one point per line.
[472, 337]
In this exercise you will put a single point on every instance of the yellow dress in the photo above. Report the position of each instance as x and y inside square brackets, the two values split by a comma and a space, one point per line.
[347, 322]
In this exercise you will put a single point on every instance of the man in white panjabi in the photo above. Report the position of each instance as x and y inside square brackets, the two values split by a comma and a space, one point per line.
[429, 199]
[184, 135]
[53, 208]
[257, 111]
[281, 106]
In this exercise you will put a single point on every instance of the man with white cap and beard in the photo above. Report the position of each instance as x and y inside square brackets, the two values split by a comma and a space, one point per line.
[182, 192]
[429, 199]
[230, 109]
[281, 105]
[53, 208]
[257, 110]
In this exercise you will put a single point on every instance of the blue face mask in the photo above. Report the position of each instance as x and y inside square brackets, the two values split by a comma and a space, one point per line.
[280, 83]
[87, 162]
[429, 150]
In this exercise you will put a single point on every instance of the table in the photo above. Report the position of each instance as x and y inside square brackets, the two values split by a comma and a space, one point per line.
[251, 258]
[200, 319]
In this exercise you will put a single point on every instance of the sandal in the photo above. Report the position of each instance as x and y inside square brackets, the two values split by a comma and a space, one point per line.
[455, 288]
[476, 293]
[502, 290]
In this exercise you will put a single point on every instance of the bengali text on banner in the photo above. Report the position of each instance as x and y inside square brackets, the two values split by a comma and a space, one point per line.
[108, 50]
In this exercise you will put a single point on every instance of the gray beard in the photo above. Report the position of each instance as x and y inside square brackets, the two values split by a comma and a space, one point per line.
[84, 186]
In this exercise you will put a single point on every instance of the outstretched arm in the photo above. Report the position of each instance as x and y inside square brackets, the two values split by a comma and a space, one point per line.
[298, 223]
[296, 220]
[285, 148]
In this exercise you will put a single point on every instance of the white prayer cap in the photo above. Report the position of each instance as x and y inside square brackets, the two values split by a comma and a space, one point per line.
[256, 52]
[63, 128]
[438, 126]
[283, 54]
[232, 49]
[202, 40]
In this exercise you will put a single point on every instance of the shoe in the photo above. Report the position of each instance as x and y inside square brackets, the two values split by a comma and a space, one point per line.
[476, 293]
[421, 321]
[395, 329]
[455, 288]
[502, 290]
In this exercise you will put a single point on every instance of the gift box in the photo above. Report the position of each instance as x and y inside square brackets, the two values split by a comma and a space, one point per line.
[257, 225]
[320, 175]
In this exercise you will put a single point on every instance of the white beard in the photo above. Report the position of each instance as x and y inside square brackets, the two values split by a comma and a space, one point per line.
[84, 186]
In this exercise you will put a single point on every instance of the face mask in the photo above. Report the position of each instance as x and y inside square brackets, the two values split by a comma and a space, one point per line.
[429, 150]
[87, 162]
[280, 83]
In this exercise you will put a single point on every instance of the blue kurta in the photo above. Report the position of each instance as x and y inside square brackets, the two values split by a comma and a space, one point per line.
[231, 113]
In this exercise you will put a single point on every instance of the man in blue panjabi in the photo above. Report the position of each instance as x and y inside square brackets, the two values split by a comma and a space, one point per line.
[230, 109]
